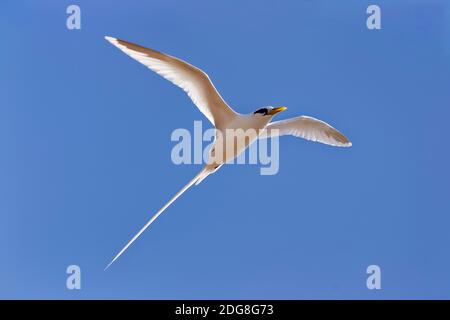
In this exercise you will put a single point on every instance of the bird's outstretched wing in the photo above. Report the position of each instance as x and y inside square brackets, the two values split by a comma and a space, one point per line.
[192, 80]
[310, 129]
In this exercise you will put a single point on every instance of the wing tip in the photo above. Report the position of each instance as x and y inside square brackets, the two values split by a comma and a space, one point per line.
[341, 144]
[111, 39]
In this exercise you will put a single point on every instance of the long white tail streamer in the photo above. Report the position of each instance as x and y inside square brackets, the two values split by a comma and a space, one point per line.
[201, 174]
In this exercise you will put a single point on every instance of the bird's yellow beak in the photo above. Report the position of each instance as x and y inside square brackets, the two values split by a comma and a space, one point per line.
[277, 110]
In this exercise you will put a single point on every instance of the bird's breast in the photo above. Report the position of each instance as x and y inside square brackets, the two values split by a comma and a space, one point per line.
[235, 138]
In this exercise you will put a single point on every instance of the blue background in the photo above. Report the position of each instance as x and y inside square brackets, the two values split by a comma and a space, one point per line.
[85, 151]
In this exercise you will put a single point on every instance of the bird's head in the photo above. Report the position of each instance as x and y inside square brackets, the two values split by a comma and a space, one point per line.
[268, 111]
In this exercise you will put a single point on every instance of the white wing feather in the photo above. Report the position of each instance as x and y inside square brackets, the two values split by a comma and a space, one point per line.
[191, 79]
[310, 129]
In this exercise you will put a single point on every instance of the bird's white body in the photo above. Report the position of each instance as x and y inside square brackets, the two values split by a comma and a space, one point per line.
[235, 132]
[237, 135]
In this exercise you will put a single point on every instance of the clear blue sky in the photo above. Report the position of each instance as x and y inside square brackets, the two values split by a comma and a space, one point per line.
[85, 151]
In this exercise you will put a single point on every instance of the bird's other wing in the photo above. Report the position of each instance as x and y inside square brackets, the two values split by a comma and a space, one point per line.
[200, 176]
[310, 129]
[192, 80]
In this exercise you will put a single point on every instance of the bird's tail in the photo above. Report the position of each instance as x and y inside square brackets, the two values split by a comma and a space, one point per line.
[207, 170]
[202, 175]
[197, 179]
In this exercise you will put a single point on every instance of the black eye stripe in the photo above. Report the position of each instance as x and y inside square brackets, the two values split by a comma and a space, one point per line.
[263, 111]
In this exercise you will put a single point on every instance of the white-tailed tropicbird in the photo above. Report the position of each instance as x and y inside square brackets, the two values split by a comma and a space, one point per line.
[202, 92]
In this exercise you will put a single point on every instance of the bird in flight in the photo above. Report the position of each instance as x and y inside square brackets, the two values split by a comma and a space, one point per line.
[204, 95]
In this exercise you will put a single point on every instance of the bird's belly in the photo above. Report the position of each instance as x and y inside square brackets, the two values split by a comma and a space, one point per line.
[231, 144]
